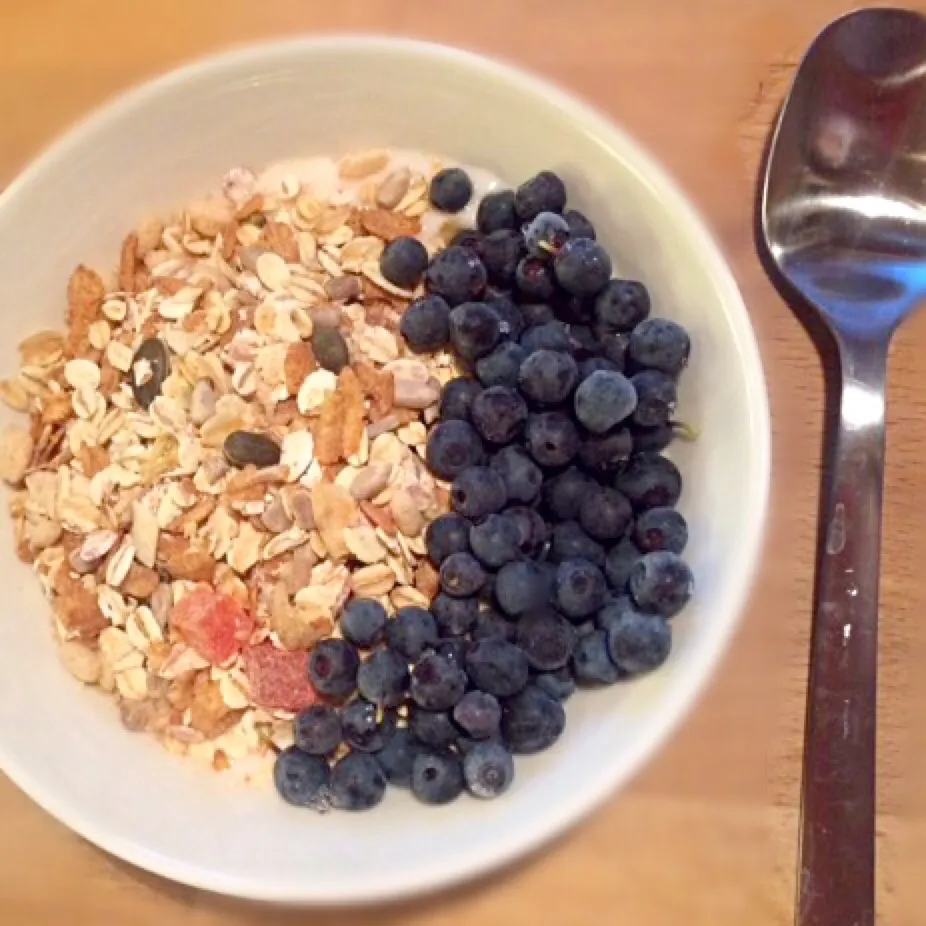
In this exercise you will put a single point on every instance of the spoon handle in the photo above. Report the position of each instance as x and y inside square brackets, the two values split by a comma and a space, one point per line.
[836, 871]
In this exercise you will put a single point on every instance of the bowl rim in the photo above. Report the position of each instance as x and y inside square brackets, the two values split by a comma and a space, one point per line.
[578, 804]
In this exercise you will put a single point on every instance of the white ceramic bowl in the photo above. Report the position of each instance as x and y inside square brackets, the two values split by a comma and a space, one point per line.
[171, 140]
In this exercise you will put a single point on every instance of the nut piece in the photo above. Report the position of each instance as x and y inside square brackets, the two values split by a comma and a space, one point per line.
[334, 509]
[408, 519]
[394, 186]
[16, 446]
[370, 481]
[388, 225]
[330, 349]
[299, 362]
[411, 393]
[81, 661]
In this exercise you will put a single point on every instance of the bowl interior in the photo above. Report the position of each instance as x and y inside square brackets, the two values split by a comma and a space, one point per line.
[172, 141]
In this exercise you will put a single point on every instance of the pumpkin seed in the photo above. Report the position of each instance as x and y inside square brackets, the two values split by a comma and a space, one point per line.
[330, 349]
[246, 447]
[147, 379]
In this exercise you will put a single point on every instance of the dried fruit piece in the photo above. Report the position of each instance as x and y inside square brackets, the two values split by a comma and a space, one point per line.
[299, 362]
[280, 238]
[328, 431]
[150, 367]
[247, 448]
[215, 625]
[353, 410]
[193, 565]
[79, 612]
[208, 711]
[85, 299]
[279, 679]
[334, 509]
[128, 259]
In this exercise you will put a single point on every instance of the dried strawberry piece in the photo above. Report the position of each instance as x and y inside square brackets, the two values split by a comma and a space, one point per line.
[215, 625]
[279, 678]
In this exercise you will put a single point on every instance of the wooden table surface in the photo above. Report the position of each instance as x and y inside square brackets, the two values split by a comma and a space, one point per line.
[706, 834]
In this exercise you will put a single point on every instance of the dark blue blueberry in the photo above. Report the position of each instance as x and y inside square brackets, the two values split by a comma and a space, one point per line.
[411, 632]
[357, 782]
[605, 514]
[383, 678]
[478, 491]
[498, 414]
[563, 494]
[603, 400]
[522, 477]
[579, 225]
[580, 589]
[606, 453]
[363, 621]
[437, 777]
[317, 730]
[478, 714]
[547, 377]
[591, 663]
[512, 321]
[461, 575]
[584, 340]
[475, 329]
[536, 313]
[545, 234]
[585, 628]
[457, 398]
[452, 446]
[496, 210]
[445, 535]
[501, 252]
[547, 640]
[403, 261]
[500, 368]
[425, 324]
[454, 649]
[301, 779]
[661, 582]
[582, 267]
[551, 438]
[534, 280]
[553, 335]
[467, 238]
[433, 728]
[622, 305]
[571, 542]
[488, 770]
[534, 530]
[660, 344]
[497, 667]
[496, 540]
[653, 440]
[639, 642]
[614, 611]
[660, 529]
[522, 586]
[366, 726]
[437, 683]
[594, 364]
[559, 684]
[457, 274]
[454, 616]
[544, 192]
[532, 721]
[333, 668]
[613, 346]
[490, 625]
[619, 562]
[451, 189]
[398, 755]
[650, 480]
[656, 398]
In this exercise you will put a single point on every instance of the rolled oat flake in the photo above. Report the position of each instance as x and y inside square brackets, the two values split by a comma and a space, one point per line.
[242, 448]
[150, 367]
[330, 349]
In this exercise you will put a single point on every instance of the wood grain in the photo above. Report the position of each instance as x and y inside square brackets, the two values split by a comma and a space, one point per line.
[706, 834]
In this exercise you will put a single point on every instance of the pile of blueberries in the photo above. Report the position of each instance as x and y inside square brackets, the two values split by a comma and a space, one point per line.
[560, 564]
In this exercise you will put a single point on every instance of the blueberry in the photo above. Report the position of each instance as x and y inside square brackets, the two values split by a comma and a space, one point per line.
[461, 575]
[571, 542]
[591, 663]
[478, 714]
[579, 225]
[546, 234]
[552, 335]
[603, 400]
[357, 782]
[317, 730]
[411, 632]
[605, 514]
[499, 414]
[656, 398]
[366, 727]
[584, 340]
[650, 480]
[559, 684]
[501, 252]
[496, 540]
[563, 494]
[452, 446]
[451, 189]
[548, 377]
[500, 368]
[425, 324]
[582, 267]
[532, 721]
[660, 344]
[437, 684]
[333, 668]
[403, 261]
[437, 777]
[478, 491]
[467, 238]
[606, 453]
[457, 274]
[445, 535]
[301, 779]
[622, 305]
[534, 279]
[496, 210]
[580, 589]
[454, 616]
[512, 320]
[521, 586]
[383, 678]
[661, 582]
[536, 313]
[475, 329]
[660, 529]
[585, 628]
[457, 397]
[534, 530]
[547, 640]
[397, 757]
[619, 562]
[363, 621]
[488, 770]
[490, 625]
[544, 192]
[639, 642]
[613, 612]
[613, 346]
[551, 438]
[454, 649]
[497, 667]
[594, 364]
[522, 477]
[433, 728]
[652, 439]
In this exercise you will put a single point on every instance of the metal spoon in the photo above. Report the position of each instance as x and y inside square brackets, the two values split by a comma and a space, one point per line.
[844, 221]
